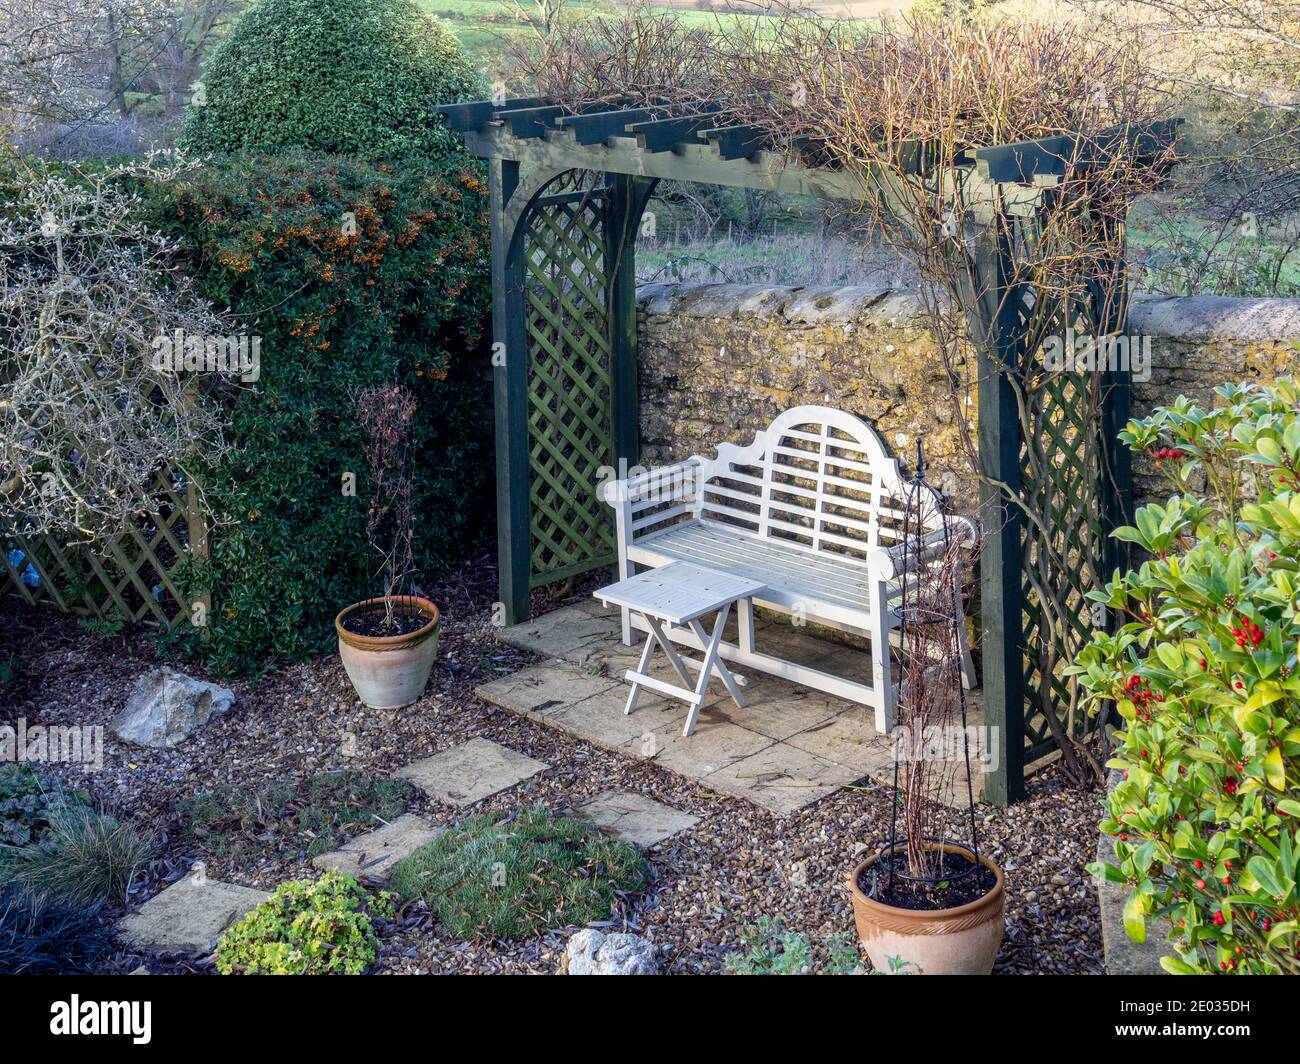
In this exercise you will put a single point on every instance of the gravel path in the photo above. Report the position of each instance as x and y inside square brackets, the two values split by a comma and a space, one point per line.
[738, 864]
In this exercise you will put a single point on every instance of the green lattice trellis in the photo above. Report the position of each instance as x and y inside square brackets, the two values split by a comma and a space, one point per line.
[1064, 419]
[570, 416]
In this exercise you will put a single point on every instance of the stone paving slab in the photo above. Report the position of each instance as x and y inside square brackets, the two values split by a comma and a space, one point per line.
[789, 747]
[545, 690]
[635, 818]
[470, 772]
[189, 916]
[782, 778]
[371, 857]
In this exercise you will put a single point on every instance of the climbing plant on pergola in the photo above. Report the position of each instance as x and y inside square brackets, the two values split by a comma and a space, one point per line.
[569, 185]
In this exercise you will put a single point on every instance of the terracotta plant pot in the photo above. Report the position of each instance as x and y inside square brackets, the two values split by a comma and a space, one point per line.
[389, 671]
[963, 940]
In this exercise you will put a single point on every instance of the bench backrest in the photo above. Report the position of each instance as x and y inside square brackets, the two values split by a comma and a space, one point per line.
[817, 477]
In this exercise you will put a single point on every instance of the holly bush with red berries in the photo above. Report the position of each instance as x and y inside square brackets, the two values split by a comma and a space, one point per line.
[1203, 673]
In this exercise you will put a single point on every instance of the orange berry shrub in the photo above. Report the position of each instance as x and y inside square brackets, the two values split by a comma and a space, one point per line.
[1203, 676]
[353, 275]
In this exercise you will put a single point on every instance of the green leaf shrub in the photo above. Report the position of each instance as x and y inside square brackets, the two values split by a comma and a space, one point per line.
[1203, 674]
[348, 77]
[307, 927]
[770, 948]
[28, 802]
[353, 274]
[509, 877]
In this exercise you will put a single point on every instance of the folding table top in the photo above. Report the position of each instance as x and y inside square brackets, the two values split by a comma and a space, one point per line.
[679, 592]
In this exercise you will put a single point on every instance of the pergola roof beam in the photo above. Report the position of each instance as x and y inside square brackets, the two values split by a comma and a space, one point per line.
[668, 134]
[598, 127]
[734, 142]
[474, 114]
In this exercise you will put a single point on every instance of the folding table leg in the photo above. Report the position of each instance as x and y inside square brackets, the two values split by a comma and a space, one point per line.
[656, 626]
[712, 662]
[635, 693]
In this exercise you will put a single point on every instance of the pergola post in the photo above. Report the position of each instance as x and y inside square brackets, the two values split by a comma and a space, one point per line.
[510, 395]
[628, 196]
[1001, 627]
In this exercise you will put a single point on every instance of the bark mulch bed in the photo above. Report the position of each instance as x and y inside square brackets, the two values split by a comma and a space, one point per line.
[738, 864]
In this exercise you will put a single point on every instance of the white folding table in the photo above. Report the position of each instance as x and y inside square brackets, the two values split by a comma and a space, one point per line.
[679, 594]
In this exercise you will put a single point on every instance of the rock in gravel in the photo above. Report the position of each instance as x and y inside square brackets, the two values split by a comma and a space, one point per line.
[166, 707]
[593, 953]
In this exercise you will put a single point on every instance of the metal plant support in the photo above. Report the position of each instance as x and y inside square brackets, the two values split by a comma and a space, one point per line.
[931, 693]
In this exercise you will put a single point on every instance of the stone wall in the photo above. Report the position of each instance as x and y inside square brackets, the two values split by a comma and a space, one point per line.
[718, 362]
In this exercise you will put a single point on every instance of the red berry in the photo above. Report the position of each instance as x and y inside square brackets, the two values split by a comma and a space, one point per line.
[1197, 864]
[1200, 884]
[1218, 920]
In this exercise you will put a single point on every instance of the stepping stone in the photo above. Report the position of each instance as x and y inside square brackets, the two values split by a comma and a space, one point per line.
[189, 916]
[781, 778]
[371, 857]
[470, 772]
[544, 691]
[635, 818]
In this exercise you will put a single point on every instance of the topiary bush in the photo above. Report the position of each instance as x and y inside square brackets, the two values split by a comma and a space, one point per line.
[351, 77]
[515, 876]
[1203, 673]
[353, 274]
[307, 927]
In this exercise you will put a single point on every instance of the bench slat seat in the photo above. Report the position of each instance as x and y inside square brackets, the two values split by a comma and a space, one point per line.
[832, 590]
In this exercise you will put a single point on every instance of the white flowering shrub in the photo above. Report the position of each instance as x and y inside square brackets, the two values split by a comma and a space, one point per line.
[88, 413]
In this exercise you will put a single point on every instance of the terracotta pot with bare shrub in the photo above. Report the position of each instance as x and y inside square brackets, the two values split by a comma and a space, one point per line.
[389, 644]
[930, 903]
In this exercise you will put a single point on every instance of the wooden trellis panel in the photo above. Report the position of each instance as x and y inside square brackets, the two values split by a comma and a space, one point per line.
[570, 404]
[1065, 425]
[128, 576]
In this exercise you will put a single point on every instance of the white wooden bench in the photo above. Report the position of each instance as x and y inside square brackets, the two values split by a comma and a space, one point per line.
[812, 509]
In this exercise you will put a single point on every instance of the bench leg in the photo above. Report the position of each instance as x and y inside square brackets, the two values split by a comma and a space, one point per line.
[745, 623]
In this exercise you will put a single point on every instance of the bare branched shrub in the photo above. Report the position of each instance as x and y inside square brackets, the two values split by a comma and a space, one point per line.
[87, 419]
[901, 108]
[387, 414]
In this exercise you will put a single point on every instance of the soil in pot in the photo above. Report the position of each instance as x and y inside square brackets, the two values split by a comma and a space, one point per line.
[374, 621]
[958, 884]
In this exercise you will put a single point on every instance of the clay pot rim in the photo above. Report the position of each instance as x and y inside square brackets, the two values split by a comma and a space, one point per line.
[388, 642]
[992, 898]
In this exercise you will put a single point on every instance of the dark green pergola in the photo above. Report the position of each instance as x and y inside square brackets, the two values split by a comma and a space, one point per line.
[568, 191]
